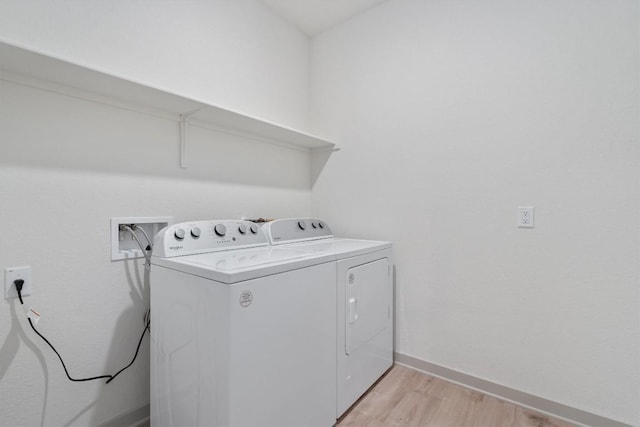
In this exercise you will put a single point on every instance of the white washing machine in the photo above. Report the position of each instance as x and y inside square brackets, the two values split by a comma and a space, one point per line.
[364, 335]
[243, 333]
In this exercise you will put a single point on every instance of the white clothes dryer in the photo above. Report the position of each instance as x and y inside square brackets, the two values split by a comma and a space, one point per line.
[364, 290]
[243, 333]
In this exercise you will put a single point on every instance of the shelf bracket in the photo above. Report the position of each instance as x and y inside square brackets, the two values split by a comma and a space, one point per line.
[183, 140]
[184, 130]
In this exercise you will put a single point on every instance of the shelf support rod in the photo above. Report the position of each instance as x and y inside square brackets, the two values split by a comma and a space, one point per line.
[183, 141]
[184, 130]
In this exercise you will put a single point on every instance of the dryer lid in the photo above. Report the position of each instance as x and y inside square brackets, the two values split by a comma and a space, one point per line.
[342, 248]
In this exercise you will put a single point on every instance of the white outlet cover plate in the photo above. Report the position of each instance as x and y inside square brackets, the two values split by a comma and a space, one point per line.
[525, 217]
[13, 273]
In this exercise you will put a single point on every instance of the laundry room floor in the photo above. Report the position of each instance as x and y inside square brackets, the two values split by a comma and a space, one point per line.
[408, 398]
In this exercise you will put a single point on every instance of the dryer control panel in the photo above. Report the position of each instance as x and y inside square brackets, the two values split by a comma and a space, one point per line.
[198, 237]
[295, 230]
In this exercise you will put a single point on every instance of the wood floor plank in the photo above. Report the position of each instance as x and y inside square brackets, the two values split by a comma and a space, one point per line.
[408, 398]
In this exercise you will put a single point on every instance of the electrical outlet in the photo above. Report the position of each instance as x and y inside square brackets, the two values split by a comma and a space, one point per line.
[124, 245]
[14, 273]
[525, 217]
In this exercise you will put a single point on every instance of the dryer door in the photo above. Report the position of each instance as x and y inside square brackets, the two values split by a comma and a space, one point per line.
[367, 302]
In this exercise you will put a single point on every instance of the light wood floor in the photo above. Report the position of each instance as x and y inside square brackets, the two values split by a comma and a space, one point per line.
[408, 398]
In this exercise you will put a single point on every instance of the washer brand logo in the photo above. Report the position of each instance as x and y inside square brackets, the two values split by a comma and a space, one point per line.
[175, 248]
[246, 298]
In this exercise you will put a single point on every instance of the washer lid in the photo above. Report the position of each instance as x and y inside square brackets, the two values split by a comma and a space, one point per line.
[244, 264]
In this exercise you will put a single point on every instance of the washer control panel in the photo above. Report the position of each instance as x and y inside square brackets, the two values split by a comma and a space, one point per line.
[197, 237]
[296, 229]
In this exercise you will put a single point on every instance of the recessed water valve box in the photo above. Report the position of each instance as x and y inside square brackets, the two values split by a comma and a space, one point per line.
[123, 242]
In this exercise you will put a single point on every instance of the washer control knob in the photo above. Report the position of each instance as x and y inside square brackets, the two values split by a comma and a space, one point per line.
[195, 232]
[253, 228]
[314, 224]
[302, 225]
[242, 229]
[179, 234]
[220, 230]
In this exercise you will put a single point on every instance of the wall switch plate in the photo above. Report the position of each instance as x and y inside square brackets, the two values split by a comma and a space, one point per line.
[124, 245]
[525, 217]
[13, 273]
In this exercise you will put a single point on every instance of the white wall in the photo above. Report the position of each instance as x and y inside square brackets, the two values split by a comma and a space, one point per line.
[67, 166]
[234, 53]
[450, 114]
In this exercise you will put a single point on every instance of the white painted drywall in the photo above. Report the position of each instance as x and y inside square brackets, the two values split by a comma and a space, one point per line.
[450, 115]
[316, 16]
[237, 54]
[67, 166]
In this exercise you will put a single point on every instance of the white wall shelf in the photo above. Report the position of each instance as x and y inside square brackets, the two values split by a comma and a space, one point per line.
[31, 68]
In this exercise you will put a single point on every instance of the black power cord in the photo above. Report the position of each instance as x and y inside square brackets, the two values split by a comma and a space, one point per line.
[110, 377]
[19, 283]
[146, 328]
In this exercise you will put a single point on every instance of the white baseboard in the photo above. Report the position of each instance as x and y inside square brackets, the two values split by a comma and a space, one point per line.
[136, 418]
[146, 422]
[539, 404]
